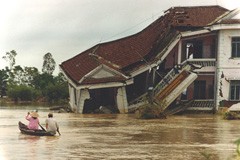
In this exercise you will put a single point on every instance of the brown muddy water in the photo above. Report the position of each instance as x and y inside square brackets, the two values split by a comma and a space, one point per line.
[121, 136]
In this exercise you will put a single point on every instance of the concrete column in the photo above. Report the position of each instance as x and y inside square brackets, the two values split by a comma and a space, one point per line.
[71, 98]
[122, 100]
[179, 51]
[83, 94]
[220, 52]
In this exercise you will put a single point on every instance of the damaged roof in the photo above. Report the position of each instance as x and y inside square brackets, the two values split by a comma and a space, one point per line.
[127, 54]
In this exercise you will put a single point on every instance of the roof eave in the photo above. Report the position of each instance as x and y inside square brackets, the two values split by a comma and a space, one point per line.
[98, 68]
[106, 85]
[230, 14]
[224, 26]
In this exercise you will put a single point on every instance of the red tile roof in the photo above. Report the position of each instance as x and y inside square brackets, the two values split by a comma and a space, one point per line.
[196, 16]
[127, 53]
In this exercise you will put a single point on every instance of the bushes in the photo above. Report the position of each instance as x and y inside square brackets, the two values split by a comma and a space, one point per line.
[55, 93]
[231, 115]
[22, 92]
[52, 93]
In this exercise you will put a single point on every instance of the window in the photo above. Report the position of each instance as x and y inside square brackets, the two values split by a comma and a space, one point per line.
[194, 49]
[235, 90]
[211, 91]
[235, 47]
[213, 48]
[199, 90]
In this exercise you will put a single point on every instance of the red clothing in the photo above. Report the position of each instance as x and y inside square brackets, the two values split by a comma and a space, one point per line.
[33, 123]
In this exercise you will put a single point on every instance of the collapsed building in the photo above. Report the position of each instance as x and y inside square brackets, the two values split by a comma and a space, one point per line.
[189, 53]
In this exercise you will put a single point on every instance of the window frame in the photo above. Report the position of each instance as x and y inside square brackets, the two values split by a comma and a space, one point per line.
[234, 90]
[235, 47]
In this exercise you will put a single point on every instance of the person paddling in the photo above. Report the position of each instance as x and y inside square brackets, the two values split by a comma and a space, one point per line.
[33, 120]
[52, 125]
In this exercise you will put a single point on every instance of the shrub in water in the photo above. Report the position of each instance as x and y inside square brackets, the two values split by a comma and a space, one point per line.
[230, 115]
[151, 111]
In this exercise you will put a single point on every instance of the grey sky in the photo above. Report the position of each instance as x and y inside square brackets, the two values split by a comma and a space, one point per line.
[68, 27]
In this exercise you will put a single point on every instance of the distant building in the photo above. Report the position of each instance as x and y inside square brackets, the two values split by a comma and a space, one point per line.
[118, 74]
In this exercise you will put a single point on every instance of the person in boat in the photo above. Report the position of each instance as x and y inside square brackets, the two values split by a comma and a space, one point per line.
[33, 120]
[51, 124]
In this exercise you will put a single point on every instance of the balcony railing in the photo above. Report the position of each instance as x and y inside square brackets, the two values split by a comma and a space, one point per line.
[206, 104]
[210, 62]
[165, 81]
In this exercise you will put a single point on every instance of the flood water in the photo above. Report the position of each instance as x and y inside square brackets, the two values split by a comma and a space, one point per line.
[121, 136]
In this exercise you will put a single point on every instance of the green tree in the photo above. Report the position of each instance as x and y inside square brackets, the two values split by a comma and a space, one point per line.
[10, 58]
[56, 93]
[41, 81]
[21, 76]
[29, 74]
[48, 64]
[27, 84]
[59, 79]
[54, 89]
[17, 75]
[3, 82]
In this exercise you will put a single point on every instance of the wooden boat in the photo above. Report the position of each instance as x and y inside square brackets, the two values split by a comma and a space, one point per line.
[24, 129]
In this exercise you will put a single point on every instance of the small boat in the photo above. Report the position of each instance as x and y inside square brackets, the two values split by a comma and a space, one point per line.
[24, 129]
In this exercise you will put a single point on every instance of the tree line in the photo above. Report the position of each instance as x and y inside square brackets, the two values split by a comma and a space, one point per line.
[22, 83]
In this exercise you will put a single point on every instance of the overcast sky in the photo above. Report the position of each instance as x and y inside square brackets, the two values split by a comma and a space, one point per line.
[65, 28]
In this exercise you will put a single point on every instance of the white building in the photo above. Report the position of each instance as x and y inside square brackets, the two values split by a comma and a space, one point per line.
[203, 40]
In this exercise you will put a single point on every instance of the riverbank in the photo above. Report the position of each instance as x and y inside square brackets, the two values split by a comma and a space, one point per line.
[56, 107]
[8, 102]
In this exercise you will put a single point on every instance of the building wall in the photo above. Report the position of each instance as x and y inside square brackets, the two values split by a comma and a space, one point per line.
[83, 94]
[227, 67]
[208, 46]
[72, 98]
[122, 100]
[209, 83]
[78, 97]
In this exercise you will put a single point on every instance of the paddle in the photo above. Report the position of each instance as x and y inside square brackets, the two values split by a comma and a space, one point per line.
[42, 127]
[58, 132]
[45, 130]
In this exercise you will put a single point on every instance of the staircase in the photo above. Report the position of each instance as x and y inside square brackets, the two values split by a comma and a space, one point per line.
[168, 89]
[183, 105]
[175, 88]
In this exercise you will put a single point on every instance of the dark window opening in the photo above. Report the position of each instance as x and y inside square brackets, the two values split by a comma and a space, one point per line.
[99, 98]
[211, 91]
[199, 90]
[213, 48]
[139, 86]
[75, 96]
[194, 49]
[236, 47]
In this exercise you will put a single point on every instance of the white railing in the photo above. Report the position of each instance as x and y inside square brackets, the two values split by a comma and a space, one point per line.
[165, 81]
[210, 62]
[202, 104]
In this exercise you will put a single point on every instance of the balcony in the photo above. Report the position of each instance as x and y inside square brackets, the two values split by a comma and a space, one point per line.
[203, 65]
